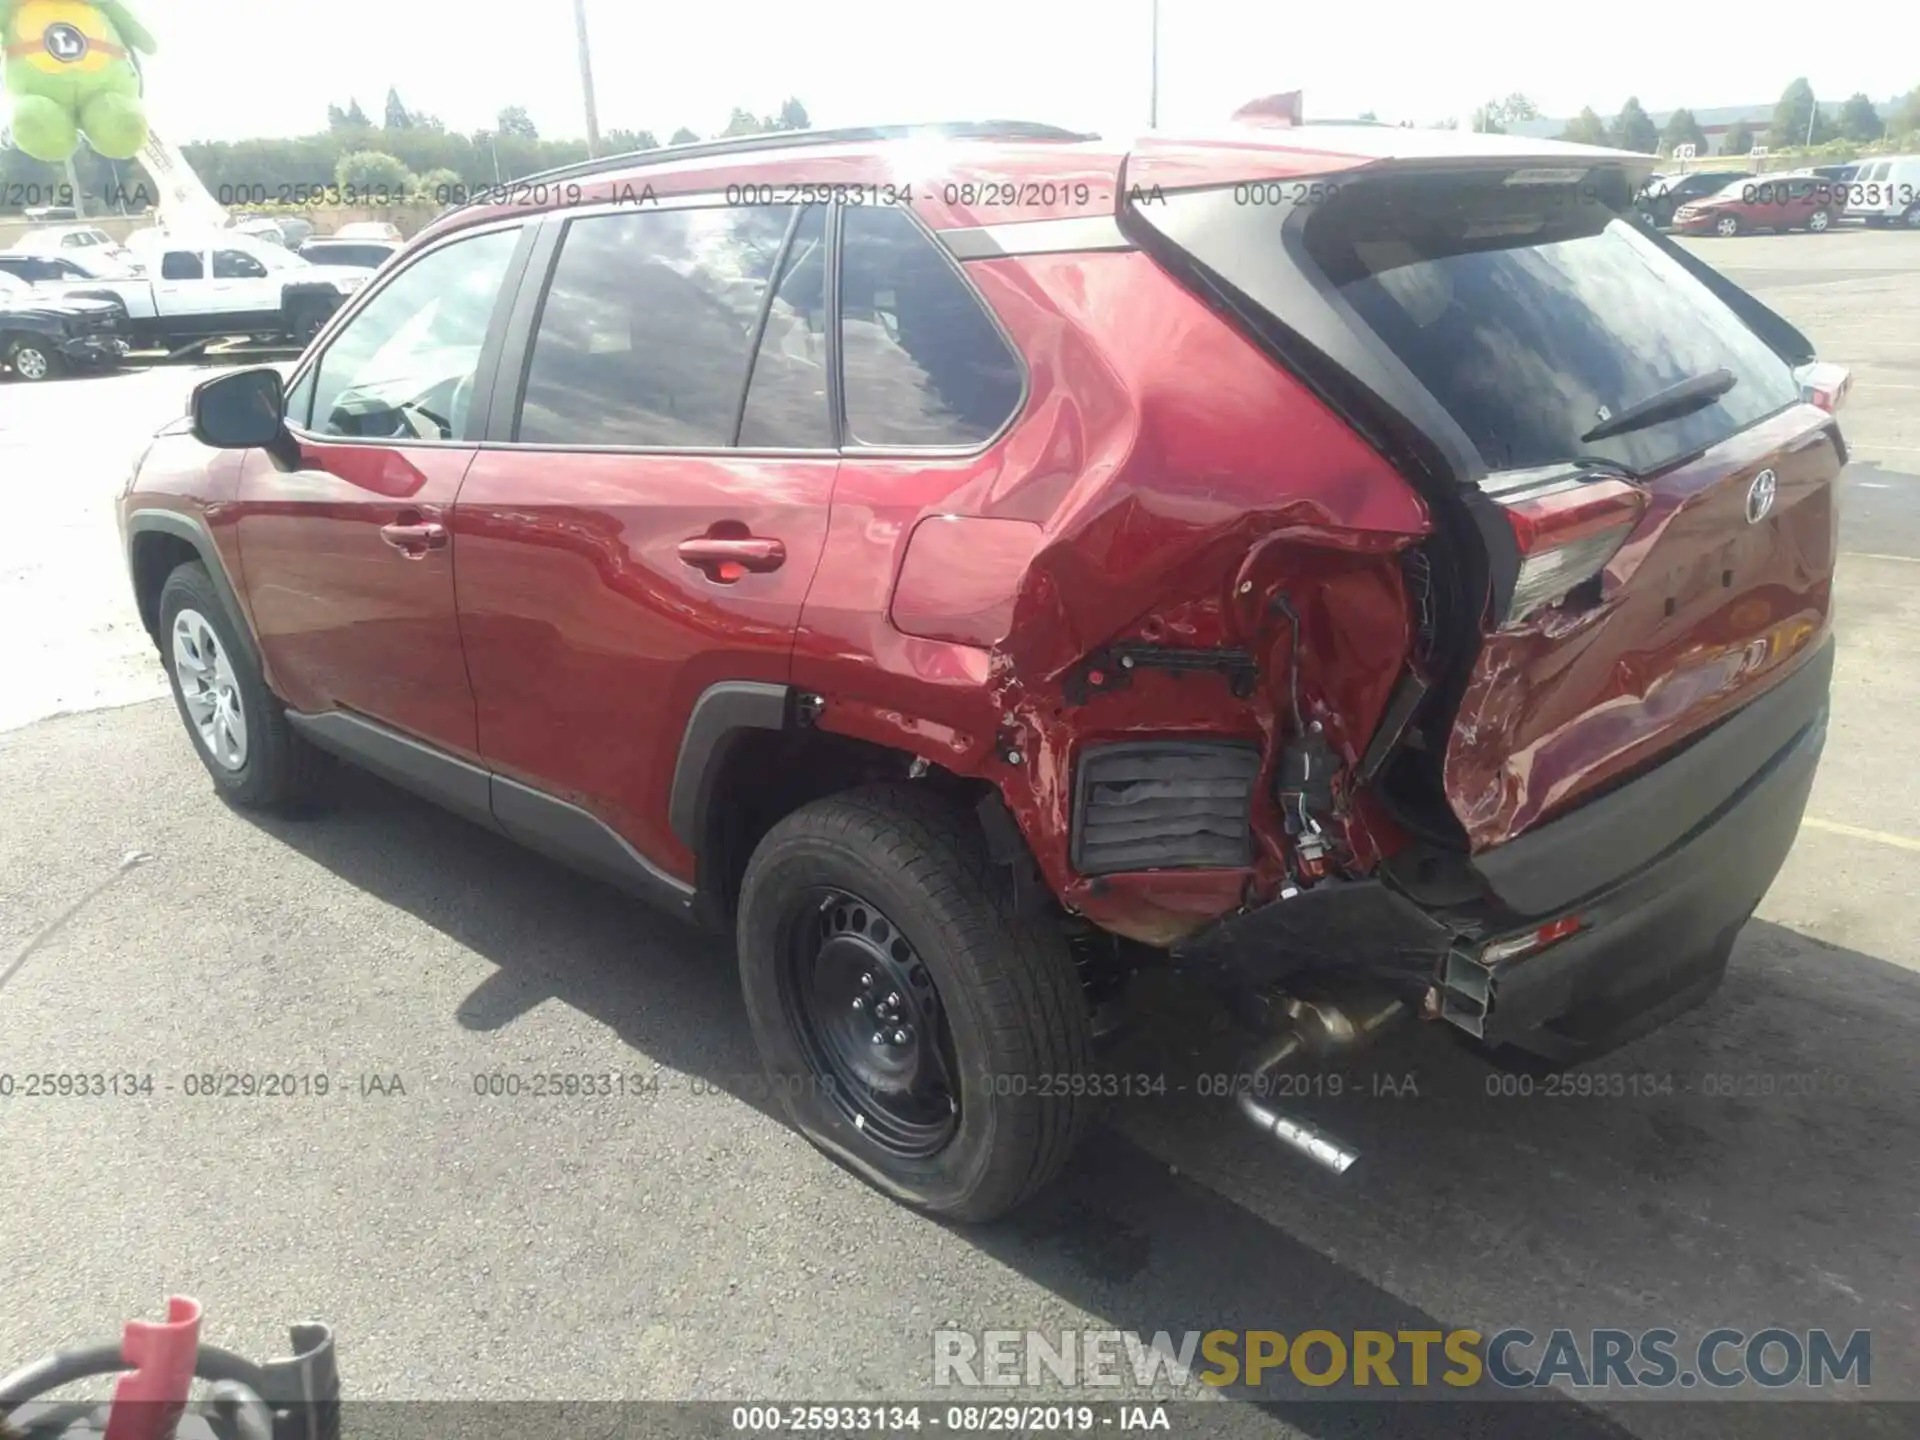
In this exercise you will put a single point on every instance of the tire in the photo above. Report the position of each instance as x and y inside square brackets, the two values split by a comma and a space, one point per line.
[1727, 225]
[1818, 222]
[1911, 217]
[998, 997]
[305, 320]
[32, 361]
[276, 768]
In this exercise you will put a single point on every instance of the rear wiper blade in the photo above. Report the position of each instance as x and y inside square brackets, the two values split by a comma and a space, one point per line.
[1670, 404]
[1611, 467]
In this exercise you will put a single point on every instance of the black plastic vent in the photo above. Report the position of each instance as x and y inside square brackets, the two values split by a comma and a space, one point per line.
[1164, 805]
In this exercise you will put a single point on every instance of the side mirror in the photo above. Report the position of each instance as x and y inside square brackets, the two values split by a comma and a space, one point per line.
[243, 410]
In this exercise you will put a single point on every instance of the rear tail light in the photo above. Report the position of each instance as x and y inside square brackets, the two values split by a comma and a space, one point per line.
[1566, 537]
[1824, 384]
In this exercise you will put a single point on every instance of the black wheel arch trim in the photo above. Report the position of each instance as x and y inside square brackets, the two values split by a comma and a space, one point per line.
[722, 714]
[195, 533]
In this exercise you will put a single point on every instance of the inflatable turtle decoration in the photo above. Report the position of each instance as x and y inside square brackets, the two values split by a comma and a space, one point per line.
[72, 70]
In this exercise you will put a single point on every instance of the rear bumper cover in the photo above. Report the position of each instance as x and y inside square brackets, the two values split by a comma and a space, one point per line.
[1661, 873]
[1657, 941]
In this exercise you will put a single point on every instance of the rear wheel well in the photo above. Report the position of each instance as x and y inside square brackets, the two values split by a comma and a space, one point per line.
[155, 555]
[766, 775]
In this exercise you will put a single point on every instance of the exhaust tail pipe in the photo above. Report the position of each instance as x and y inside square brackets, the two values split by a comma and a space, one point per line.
[1317, 1028]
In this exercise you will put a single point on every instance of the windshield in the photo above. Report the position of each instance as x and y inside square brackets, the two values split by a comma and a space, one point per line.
[1536, 318]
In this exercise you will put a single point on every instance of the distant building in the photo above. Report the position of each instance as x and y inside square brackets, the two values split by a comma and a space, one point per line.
[1715, 123]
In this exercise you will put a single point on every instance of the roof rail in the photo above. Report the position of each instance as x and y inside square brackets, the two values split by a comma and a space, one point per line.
[786, 139]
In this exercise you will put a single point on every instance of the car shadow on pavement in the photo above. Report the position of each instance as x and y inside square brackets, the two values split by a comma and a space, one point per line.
[1750, 1176]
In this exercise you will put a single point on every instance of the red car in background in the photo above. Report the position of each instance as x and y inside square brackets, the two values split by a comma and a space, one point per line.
[1765, 202]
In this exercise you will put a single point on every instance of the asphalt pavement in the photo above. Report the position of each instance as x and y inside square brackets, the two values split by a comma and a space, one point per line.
[674, 1240]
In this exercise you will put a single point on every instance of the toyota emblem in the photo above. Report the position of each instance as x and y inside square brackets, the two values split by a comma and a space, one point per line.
[1760, 497]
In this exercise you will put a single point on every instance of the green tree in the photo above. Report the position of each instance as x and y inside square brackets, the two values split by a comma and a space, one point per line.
[351, 118]
[397, 117]
[1739, 139]
[683, 136]
[1683, 129]
[1496, 117]
[1586, 128]
[373, 170]
[515, 122]
[1633, 128]
[743, 122]
[625, 142]
[1793, 114]
[1905, 119]
[1366, 115]
[1450, 123]
[442, 186]
[1860, 121]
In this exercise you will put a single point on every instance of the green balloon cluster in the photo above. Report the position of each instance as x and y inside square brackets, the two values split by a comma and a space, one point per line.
[72, 69]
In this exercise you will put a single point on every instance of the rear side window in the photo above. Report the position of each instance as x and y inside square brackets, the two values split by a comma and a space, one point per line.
[786, 405]
[1533, 317]
[236, 265]
[182, 265]
[924, 364]
[647, 327]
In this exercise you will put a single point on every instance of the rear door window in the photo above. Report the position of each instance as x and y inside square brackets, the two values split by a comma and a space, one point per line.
[787, 405]
[1533, 317]
[182, 265]
[236, 265]
[924, 364]
[648, 325]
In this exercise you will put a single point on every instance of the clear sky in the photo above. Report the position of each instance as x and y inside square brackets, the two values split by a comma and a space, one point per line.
[233, 70]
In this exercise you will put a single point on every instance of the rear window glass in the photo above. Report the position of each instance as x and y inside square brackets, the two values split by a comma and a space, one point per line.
[1534, 316]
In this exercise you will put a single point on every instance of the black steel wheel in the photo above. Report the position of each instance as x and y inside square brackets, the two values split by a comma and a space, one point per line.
[914, 1022]
[868, 1016]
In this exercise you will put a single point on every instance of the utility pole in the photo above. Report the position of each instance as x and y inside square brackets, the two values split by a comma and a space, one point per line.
[1153, 90]
[586, 78]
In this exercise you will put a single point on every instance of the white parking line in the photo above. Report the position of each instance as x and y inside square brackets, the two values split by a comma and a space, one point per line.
[1855, 832]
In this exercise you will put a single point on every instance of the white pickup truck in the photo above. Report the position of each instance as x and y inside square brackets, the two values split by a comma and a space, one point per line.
[219, 285]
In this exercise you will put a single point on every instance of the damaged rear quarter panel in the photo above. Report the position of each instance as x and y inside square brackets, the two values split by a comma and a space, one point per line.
[1168, 464]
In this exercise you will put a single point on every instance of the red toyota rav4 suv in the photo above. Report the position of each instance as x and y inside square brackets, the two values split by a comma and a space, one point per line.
[967, 561]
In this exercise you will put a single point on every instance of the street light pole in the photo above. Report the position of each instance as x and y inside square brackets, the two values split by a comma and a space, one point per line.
[586, 78]
[1153, 90]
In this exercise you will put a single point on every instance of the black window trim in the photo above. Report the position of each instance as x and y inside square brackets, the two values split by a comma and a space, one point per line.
[510, 387]
[490, 347]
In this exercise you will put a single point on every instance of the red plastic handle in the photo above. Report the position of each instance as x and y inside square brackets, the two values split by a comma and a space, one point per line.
[147, 1404]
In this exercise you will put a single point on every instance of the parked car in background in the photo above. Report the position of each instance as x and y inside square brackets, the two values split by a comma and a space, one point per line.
[44, 333]
[67, 265]
[1764, 202]
[1459, 646]
[368, 230]
[1664, 194]
[218, 283]
[1886, 192]
[62, 239]
[288, 230]
[262, 227]
[332, 250]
